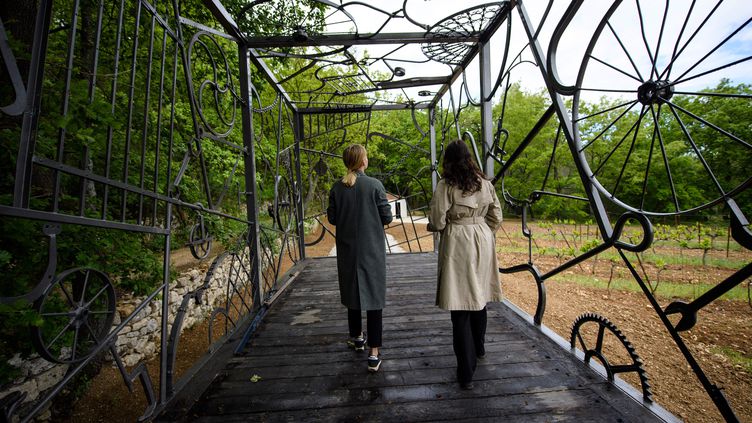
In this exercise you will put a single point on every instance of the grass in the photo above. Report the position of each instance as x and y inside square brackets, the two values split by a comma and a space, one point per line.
[666, 289]
[736, 357]
[647, 257]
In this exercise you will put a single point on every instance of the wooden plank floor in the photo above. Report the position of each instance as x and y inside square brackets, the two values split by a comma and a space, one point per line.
[307, 373]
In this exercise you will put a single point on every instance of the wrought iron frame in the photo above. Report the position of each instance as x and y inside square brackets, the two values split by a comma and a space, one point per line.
[303, 115]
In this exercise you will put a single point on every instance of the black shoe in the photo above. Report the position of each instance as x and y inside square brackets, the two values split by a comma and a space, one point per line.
[374, 363]
[358, 344]
[467, 386]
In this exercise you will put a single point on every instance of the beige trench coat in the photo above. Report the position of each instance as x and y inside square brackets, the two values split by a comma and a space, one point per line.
[468, 269]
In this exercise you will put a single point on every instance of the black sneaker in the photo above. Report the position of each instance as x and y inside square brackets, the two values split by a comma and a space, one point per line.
[374, 362]
[358, 344]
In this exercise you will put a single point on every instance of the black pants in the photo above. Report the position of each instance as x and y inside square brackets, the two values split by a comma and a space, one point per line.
[374, 325]
[469, 338]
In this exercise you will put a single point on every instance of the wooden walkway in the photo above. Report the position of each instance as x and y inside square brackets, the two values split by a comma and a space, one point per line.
[307, 373]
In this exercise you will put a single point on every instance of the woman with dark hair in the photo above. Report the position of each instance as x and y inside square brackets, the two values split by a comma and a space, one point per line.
[359, 209]
[467, 213]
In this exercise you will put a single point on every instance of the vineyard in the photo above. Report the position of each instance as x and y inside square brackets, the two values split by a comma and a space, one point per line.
[683, 262]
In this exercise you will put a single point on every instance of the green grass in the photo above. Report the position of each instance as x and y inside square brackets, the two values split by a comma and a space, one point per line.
[736, 357]
[647, 257]
[666, 289]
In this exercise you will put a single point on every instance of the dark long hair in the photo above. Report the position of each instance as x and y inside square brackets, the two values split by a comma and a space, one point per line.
[460, 170]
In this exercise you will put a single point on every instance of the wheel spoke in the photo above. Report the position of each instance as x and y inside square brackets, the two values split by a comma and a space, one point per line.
[624, 368]
[65, 329]
[724, 132]
[645, 38]
[104, 288]
[624, 49]
[606, 110]
[654, 71]
[679, 79]
[650, 158]
[631, 105]
[676, 56]
[74, 347]
[86, 283]
[694, 147]
[68, 296]
[582, 341]
[92, 332]
[607, 90]
[60, 314]
[616, 147]
[631, 149]
[728, 65]
[710, 94]
[667, 71]
[599, 340]
[615, 68]
[665, 159]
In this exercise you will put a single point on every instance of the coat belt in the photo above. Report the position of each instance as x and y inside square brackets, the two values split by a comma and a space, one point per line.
[471, 220]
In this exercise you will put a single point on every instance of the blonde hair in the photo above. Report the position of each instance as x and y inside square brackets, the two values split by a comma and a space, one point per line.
[354, 157]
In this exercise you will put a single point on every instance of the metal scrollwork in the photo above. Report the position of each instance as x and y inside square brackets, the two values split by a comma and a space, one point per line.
[141, 373]
[283, 203]
[199, 240]
[216, 97]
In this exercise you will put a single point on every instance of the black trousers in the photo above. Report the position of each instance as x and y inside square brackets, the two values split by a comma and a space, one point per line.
[469, 338]
[373, 324]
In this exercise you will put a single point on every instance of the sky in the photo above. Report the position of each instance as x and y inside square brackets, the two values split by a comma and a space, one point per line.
[729, 16]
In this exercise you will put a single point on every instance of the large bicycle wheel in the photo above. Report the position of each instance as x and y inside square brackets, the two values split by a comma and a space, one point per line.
[77, 311]
[675, 134]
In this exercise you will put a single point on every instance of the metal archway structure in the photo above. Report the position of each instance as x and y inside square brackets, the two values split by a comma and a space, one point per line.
[114, 115]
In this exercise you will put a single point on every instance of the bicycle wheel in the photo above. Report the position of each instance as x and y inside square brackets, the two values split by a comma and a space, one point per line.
[77, 311]
[674, 135]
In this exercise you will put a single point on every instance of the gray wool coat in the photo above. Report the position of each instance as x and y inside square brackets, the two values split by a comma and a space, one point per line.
[468, 271]
[360, 213]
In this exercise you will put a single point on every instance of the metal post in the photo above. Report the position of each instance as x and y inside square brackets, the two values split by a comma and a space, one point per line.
[163, 356]
[250, 175]
[31, 113]
[432, 134]
[434, 161]
[298, 192]
[486, 117]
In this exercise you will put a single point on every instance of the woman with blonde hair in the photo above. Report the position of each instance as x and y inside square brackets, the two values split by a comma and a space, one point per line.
[467, 212]
[359, 209]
